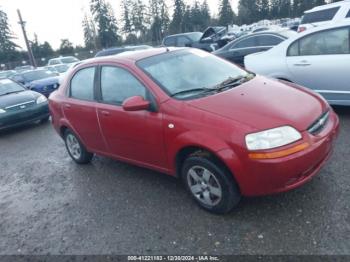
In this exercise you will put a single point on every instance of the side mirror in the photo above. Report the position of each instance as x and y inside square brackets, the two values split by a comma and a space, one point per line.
[136, 103]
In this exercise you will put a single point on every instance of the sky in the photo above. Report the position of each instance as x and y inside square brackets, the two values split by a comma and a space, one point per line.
[53, 20]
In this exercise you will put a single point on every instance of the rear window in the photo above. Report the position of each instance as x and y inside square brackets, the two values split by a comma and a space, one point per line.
[320, 16]
[170, 41]
[248, 42]
[268, 40]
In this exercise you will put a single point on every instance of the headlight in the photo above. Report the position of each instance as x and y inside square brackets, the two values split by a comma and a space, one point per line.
[2, 111]
[41, 99]
[272, 138]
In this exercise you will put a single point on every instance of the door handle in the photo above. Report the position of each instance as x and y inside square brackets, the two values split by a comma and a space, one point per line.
[67, 106]
[303, 63]
[105, 113]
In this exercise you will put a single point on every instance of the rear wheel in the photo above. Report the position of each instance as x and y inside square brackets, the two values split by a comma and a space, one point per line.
[210, 184]
[76, 149]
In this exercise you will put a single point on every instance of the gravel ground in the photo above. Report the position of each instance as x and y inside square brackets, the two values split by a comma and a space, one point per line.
[50, 205]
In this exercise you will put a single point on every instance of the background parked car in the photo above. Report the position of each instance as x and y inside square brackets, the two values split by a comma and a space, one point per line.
[236, 50]
[212, 39]
[20, 106]
[118, 50]
[40, 80]
[63, 60]
[7, 74]
[318, 58]
[20, 69]
[59, 69]
[324, 14]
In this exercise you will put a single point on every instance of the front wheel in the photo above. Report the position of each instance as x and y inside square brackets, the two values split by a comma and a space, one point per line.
[76, 149]
[210, 184]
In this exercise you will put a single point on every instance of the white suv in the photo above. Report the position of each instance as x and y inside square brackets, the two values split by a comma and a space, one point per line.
[324, 14]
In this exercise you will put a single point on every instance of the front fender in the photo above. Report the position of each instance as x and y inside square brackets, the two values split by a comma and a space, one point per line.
[194, 139]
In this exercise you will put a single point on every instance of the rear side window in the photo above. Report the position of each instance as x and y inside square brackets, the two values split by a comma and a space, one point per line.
[82, 84]
[329, 42]
[117, 85]
[320, 16]
[249, 42]
[268, 40]
[170, 41]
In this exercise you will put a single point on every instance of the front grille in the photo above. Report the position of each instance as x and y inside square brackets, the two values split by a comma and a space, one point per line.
[319, 124]
[21, 106]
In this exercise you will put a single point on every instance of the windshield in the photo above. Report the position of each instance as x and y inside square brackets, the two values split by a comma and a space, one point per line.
[37, 75]
[196, 36]
[7, 87]
[68, 60]
[61, 68]
[189, 69]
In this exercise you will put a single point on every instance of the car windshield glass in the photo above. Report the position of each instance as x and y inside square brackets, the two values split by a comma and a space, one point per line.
[61, 68]
[37, 75]
[195, 36]
[68, 60]
[8, 87]
[189, 72]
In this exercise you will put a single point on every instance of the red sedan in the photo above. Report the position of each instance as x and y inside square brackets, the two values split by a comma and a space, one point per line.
[187, 113]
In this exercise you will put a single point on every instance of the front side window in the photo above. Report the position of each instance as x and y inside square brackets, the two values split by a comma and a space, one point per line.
[320, 16]
[82, 84]
[117, 85]
[188, 70]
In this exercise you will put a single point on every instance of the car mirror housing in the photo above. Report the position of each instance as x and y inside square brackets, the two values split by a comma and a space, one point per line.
[136, 103]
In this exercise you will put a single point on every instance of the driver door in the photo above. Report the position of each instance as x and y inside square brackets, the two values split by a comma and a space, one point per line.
[135, 136]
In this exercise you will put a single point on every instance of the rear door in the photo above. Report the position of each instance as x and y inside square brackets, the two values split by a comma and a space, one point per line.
[80, 109]
[136, 136]
[321, 61]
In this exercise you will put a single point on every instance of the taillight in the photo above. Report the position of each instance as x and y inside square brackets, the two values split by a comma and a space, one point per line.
[301, 29]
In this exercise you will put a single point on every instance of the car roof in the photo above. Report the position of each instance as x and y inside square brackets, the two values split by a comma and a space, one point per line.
[131, 56]
[189, 33]
[327, 6]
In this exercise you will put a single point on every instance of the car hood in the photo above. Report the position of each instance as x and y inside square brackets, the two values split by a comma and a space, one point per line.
[17, 98]
[45, 81]
[264, 103]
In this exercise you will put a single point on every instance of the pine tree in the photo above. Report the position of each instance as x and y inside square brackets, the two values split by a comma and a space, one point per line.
[177, 20]
[107, 30]
[226, 14]
[7, 46]
[127, 23]
[160, 20]
[90, 34]
[139, 19]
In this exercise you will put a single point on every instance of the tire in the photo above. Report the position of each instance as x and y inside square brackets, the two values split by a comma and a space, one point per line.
[76, 149]
[45, 120]
[219, 194]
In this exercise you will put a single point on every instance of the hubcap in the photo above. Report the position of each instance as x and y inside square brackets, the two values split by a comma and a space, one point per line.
[204, 185]
[73, 146]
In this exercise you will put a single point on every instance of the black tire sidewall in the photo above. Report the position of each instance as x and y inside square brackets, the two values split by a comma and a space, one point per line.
[85, 156]
[230, 191]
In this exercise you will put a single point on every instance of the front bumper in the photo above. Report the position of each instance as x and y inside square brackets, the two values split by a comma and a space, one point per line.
[270, 176]
[28, 115]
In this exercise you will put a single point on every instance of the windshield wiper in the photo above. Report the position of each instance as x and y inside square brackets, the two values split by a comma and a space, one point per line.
[200, 90]
[233, 82]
